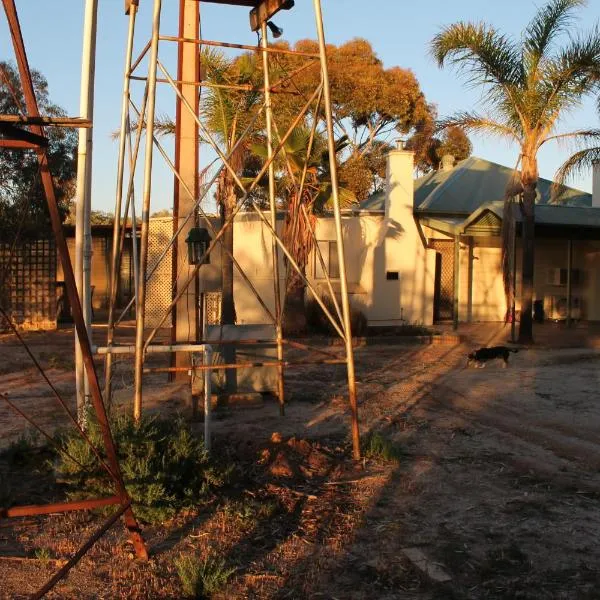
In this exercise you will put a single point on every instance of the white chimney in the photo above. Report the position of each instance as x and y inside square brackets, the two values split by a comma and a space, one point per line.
[399, 192]
[447, 162]
[596, 185]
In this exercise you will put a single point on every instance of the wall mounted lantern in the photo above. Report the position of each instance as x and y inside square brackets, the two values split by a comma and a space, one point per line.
[198, 241]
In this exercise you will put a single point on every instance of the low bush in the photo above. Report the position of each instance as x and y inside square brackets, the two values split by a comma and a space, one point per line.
[22, 451]
[165, 467]
[317, 321]
[249, 511]
[202, 578]
[376, 445]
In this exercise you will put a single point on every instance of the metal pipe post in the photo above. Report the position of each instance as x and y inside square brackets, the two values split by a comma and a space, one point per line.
[187, 152]
[147, 189]
[115, 258]
[339, 232]
[208, 354]
[272, 204]
[569, 282]
[455, 303]
[83, 249]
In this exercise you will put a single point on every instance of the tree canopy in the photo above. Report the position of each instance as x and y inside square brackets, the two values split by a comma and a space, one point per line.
[23, 207]
[430, 145]
[372, 105]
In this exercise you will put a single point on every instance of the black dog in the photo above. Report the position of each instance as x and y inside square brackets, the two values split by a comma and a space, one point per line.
[481, 356]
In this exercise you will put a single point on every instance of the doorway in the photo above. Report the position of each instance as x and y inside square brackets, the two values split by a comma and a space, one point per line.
[443, 295]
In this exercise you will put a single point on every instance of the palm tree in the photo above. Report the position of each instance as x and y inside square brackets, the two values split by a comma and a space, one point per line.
[311, 160]
[227, 112]
[530, 85]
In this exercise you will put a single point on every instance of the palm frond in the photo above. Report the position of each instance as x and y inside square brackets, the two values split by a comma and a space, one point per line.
[549, 22]
[163, 125]
[479, 124]
[578, 136]
[479, 52]
[572, 74]
[578, 164]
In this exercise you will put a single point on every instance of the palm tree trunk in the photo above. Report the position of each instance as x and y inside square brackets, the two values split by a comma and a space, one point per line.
[300, 240]
[228, 317]
[529, 181]
[294, 308]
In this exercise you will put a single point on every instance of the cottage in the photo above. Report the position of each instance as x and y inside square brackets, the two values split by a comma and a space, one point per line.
[425, 250]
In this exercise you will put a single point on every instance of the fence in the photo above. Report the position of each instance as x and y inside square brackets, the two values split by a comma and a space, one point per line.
[28, 279]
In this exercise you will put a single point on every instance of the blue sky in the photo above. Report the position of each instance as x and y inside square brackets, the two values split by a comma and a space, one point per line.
[400, 32]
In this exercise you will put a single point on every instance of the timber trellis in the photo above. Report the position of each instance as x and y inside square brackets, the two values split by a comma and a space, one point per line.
[139, 147]
[28, 284]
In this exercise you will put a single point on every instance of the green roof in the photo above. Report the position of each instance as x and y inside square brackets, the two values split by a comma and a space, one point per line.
[375, 202]
[487, 219]
[475, 182]
[548, 214]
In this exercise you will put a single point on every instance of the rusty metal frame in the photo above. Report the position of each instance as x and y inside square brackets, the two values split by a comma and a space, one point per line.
[340, 319]
[35, 121]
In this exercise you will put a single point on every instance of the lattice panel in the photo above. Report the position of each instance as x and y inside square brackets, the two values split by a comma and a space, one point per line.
[445, 308]
[212, 306]
[159, 292]
[29, 290]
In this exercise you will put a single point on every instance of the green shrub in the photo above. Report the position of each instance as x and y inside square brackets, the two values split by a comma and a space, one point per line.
[165, 467]
[318, 322]
[377, 446]
[23, 450]
[6, 491]
[43, 555]
[202, 578]
[248, 511]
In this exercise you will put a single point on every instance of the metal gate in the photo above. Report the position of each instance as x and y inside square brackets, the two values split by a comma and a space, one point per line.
[443, 308]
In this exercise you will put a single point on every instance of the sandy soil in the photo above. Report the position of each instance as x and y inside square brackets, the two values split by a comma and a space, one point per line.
[497, 486]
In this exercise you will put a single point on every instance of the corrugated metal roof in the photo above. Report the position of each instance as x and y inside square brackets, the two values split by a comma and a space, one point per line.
[475, 182]
[375, 202]
[583, 217]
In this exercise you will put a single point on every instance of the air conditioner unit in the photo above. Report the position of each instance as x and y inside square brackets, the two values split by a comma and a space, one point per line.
[558, 276]
[555, 307]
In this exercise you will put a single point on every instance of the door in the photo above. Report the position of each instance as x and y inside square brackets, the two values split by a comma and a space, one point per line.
[443, 299]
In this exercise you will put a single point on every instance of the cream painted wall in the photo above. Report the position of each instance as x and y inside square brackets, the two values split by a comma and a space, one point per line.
[374, 245]
[586, 257]
[487, 291]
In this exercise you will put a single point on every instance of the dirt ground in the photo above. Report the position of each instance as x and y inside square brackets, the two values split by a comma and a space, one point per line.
[495, 493]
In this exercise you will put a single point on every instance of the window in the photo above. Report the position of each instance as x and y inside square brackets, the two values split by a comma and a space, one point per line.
[392, 275]
[329, 253]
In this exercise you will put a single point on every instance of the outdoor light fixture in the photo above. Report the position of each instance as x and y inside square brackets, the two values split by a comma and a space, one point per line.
[276, 31]
[267, 9]
[198, 240]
